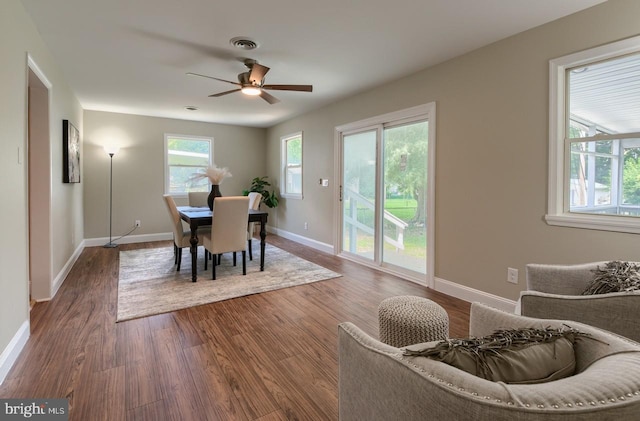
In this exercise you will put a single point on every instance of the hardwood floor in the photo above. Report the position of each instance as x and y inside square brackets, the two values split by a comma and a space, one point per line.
[269, 356]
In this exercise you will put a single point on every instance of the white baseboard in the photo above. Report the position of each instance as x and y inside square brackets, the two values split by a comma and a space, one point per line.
[62, 275]
[11, 353]
[447, 287]
[91, 242]
[142, 238]
[473, 295]
[324, 247]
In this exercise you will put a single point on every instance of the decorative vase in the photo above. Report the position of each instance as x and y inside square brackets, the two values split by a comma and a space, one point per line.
[215, 192]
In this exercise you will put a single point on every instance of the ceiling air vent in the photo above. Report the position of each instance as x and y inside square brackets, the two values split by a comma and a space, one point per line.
[244, 43]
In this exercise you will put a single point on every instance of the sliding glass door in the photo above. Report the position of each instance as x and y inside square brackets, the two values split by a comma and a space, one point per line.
[404, 227]
[359, 194]
[386, 195]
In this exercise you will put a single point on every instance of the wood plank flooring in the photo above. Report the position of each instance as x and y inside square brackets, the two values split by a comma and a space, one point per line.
[269, 356]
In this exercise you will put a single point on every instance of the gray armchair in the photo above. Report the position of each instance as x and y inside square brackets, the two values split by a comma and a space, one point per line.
[554, 292]
[377, 382]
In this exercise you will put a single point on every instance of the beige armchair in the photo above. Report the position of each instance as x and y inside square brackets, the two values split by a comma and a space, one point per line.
[555, 292]
[228, 231]
[378, 383]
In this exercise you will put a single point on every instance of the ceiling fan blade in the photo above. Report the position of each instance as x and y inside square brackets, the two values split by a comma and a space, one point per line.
[268, 97]
[300, 88]
[214, 78]
[223, 93]
[257, 73]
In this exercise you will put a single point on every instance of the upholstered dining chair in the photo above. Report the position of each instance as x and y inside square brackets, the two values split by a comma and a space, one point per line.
[181, 233]
[228, 229]
[198, 199]
[254, 204]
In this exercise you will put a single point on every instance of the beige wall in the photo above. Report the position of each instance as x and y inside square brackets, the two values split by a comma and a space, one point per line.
[492, 148]
[18, 37]
[138, 168]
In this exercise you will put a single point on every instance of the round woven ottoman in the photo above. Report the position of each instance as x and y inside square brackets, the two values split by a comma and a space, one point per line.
[407, 320]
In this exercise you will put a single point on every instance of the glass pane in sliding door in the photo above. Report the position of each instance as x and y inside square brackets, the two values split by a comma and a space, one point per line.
[359, 193]
[405, 196]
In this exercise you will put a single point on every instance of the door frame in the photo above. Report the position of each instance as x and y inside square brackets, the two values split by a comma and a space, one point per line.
[426, 112]
[39, 179]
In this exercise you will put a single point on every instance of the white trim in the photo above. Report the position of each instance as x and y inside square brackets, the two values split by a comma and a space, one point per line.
[11, 353]
[557, 210]
[441, 285]
[392, 270]
[318, 245]
[62, 275]
[407, 113]
[130, 239]
[473, 295]
[166, 163]
[48, 251]
[337, 190]
[450, 288]
[283, 166]
[600, 222]
[38, 72]
[431, 192]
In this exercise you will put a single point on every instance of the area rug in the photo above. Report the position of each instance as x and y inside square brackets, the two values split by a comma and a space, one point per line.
[149, 284]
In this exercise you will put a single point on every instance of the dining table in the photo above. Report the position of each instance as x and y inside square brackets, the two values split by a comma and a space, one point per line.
[197, 217]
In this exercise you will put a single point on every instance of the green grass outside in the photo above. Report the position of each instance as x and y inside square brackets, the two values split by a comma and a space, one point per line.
[415, 242]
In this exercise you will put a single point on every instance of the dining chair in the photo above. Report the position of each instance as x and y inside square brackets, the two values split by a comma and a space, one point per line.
[181, 233]
[254, 204]
[228, 230]
[198, 199]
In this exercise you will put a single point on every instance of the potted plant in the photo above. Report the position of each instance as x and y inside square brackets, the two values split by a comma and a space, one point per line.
[259, 185]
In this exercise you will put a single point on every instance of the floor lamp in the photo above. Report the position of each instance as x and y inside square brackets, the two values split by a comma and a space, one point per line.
[111, 150]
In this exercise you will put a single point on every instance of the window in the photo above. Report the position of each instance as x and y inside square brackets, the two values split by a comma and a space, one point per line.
[292, 166]
[184, 156]
[594, 142]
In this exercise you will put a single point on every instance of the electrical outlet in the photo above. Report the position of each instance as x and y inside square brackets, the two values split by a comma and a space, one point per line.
[306, 226]
[137, 223]
[512, 275]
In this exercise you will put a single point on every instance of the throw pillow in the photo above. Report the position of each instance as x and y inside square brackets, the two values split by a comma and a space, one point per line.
[517, 356]
[616, 276]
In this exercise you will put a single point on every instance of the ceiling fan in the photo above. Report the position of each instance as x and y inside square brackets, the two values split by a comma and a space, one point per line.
[251, 82]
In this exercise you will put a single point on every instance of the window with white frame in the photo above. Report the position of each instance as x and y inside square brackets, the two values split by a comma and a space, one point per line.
[185, 156]
[292, 166]
[594, 143]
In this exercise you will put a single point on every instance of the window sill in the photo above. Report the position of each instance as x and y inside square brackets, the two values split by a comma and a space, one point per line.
[292, 196]
[600, 222]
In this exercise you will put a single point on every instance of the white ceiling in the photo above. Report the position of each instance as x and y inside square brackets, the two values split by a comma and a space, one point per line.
[132, 56]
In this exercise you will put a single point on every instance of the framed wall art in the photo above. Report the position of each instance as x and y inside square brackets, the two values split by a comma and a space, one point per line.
[70, 153]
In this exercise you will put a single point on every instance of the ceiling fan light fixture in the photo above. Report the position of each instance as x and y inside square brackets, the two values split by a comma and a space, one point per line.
[251, 90]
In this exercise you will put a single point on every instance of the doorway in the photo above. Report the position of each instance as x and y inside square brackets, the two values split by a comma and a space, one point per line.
[39, 184]
[386, 192]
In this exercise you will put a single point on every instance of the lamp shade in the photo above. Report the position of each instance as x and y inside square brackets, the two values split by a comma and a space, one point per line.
[111, 149]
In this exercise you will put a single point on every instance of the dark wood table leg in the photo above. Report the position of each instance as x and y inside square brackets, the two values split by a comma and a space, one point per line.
[263, 235]
[194, 251]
